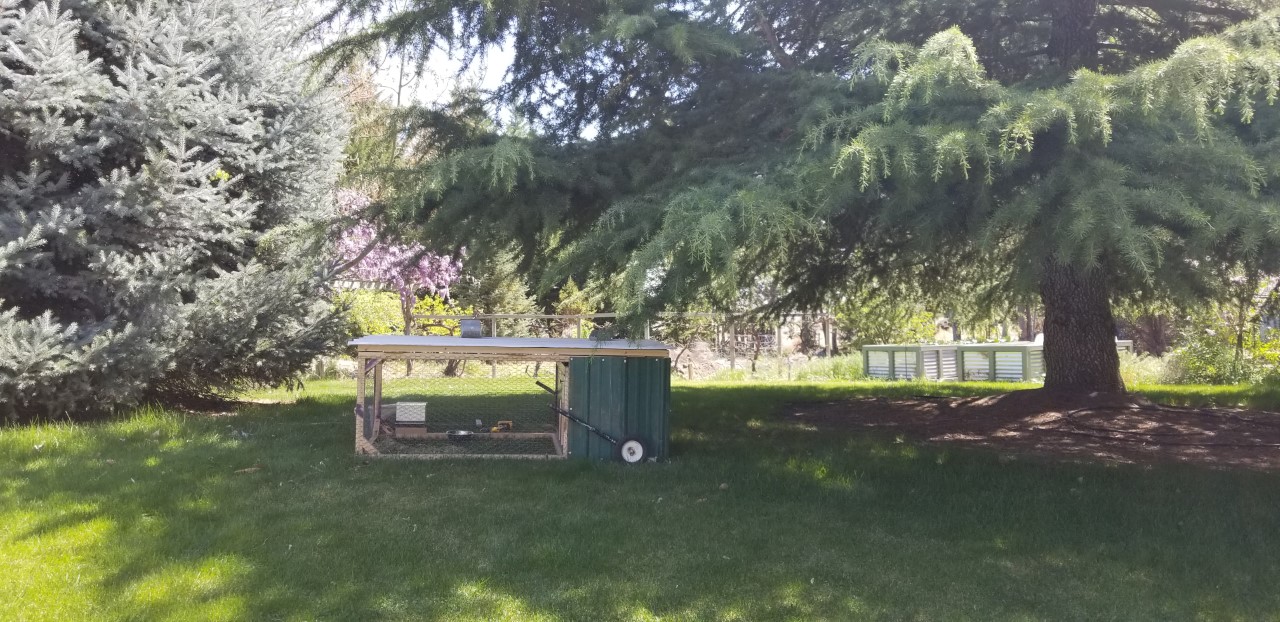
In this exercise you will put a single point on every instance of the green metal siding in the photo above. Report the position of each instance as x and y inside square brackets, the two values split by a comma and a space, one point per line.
[622, 397]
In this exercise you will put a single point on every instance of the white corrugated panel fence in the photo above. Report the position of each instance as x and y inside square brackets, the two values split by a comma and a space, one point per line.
[930, 358]
[904, 365]
[948, 364]
[1009, 366]
[977, 366]
[878, 364]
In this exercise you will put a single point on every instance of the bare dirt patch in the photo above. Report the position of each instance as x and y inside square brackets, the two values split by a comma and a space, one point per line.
[1108, 428]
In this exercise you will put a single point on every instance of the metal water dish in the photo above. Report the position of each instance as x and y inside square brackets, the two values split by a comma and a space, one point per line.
[459, 436]
[472, 329]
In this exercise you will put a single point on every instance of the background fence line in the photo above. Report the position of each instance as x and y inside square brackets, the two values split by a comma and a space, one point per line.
[727, 332]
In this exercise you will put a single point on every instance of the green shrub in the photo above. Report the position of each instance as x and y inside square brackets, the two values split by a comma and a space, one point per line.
[765, 370]
[835, 369]
[1206, 356]
[885, 320]
[1143, 369]
[435, 305]
[732, 375]
[832, 368]
[372, 312]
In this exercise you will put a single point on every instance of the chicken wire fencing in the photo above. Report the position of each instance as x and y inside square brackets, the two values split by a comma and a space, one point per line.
[460, 408]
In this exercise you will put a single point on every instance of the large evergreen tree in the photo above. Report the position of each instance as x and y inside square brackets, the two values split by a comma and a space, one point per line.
[164, 178]
[1032, 162]
[1151, 181]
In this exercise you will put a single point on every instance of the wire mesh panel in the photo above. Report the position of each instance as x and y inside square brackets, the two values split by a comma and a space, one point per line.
[463, 408]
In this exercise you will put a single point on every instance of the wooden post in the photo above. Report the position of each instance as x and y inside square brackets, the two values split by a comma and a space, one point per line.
[377, 400]
[733, 347]
[826, 335]
[960, 365]
[893, 365]
[991, 364]
[361, 370]
[1026, 364]
[360, 381]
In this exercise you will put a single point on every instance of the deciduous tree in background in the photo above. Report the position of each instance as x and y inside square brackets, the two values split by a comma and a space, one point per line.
[405, 268]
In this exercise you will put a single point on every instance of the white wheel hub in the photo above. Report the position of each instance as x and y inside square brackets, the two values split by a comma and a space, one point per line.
[632, 451]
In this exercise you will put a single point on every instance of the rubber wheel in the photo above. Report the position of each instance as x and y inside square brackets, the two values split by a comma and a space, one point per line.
[632, 450]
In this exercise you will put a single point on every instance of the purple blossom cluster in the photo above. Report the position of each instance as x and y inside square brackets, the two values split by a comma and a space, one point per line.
[406, 268]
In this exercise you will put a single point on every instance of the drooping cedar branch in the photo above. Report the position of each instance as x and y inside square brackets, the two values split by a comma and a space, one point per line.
[719, 163]
[1228, 10]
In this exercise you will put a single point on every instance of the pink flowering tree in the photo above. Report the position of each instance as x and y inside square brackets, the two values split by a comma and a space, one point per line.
[405, 268]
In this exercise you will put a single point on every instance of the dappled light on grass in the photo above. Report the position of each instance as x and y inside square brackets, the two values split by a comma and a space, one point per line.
[209, 589]
[822, 473]
[155, 517]
[483, 602]
[900, 449]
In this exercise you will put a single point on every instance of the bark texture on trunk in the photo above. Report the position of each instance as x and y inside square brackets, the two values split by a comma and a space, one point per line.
[1079, 331]
[1073, 40]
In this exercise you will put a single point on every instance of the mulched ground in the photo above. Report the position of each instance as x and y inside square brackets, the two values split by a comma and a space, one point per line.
[1108, 428]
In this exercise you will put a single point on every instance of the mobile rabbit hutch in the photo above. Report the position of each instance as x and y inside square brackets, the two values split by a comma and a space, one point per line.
[511, 397]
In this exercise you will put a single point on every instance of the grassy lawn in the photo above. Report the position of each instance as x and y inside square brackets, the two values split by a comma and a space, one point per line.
[148, 519]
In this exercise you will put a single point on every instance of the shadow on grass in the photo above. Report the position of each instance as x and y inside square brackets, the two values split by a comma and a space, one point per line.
[154, 520]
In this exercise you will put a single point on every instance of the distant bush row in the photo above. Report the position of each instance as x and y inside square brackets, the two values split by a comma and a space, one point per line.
[1205, 358]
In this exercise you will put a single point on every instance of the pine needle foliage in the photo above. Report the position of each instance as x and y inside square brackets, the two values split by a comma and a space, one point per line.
[1153, 176]
[603, 63]
[965, 147]
[163, 175]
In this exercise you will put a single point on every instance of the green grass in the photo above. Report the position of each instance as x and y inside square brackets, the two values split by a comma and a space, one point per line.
[148, 519]
[774, 368]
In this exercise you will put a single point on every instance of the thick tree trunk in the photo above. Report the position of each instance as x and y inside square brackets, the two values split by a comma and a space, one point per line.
[406, 312]
[808, 338]
[1073, 41]
[1079, 331]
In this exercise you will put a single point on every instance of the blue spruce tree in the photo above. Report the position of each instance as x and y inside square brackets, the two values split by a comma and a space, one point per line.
[165, 177]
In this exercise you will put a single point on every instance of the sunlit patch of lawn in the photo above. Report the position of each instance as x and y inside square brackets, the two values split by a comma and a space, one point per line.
[267, 514]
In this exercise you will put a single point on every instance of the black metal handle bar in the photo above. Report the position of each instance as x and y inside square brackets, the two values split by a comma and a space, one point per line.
[574, 418]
